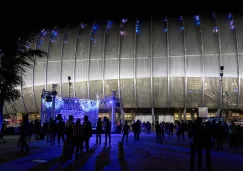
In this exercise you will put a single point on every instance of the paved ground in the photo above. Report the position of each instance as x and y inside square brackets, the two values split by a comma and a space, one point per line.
[144, 155]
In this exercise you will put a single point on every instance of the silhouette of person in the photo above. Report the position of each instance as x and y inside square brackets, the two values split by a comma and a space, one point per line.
[107, 131]
[87, 132]
[125, 131]
[197, 144]
[98, 131]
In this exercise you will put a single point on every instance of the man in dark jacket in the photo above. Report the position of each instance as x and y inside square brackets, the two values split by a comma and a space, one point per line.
[77, 137]
[107, 131]
[208, 145]
[24, 133]
[60, 131]
[87, 132]
[197, 143]
[125, 131]
[98, 131]
[158, 132]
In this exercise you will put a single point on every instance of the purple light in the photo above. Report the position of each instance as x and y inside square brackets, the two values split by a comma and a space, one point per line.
[231, 21]
[181, 18]
[76, 101]
[82, 26]
[124, 20]
[197, 20]
[215, 29]
[110, 102]
[43, 32]
[165, 20]
[123, 33]
[230, 16]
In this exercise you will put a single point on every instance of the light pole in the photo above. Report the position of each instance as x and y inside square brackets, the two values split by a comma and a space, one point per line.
[221, 74]
[69, 87]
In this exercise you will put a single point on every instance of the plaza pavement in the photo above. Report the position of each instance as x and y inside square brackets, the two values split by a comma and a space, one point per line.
[143, 155]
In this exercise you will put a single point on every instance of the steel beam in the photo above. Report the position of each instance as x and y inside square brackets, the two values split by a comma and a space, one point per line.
[185, 63]
[168, 64]
[151, 68]
[103, 65]
[62, 52]
[202, 64]
[119, 68]
[75, 61]
[135, 66]
[33, 86]
[89, 53]
[238, 64]
[221, 103]
[47, 61]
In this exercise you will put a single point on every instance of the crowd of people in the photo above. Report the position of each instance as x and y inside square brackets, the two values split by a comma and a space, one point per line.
[201, 134]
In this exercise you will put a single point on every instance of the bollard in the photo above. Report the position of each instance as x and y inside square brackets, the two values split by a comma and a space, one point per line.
[120, 151]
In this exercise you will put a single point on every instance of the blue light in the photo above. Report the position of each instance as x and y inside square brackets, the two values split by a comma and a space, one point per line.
[40, 42]
[110, 102]
[108, 25]
[94, 28]
[181, 28]
[88, 105]
[93, 40]
[215, 29]
[137, 27]
[165, 24]
[58, 103]
[43, 32]
[197, 20]
[181, 18]
[231, 21]
[54, 33]
[230, 16]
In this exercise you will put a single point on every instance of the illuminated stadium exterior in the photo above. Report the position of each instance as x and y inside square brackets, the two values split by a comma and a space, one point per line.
[151, 64]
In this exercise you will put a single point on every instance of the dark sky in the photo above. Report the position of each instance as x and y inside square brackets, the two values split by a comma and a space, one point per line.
[23, 17]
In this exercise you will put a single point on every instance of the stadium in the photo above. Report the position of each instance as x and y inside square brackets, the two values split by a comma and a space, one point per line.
[160, 68]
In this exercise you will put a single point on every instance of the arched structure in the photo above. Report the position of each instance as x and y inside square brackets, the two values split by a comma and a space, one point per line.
[155, 63]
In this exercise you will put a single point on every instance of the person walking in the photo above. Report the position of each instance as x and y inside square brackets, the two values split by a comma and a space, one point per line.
[125, 131]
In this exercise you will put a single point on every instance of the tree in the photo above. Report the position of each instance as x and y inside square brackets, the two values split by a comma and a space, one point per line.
[15, 57]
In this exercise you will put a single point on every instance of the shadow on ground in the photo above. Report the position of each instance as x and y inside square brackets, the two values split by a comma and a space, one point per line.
[103, 159]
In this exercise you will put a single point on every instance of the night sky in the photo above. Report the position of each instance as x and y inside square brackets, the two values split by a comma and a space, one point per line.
[24, 17]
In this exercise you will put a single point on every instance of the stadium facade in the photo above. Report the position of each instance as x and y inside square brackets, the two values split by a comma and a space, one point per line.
[152, 64]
